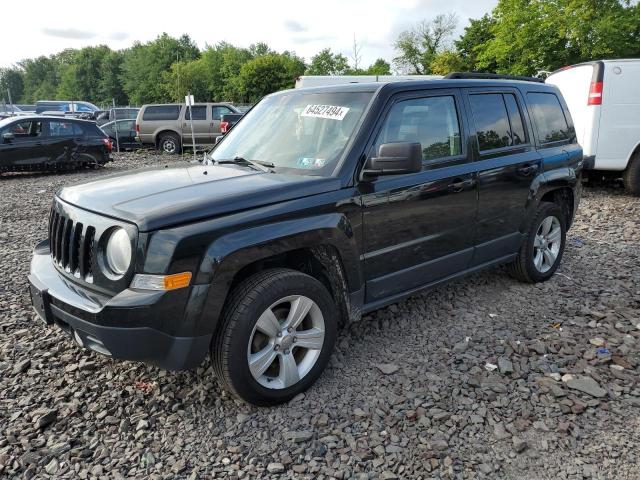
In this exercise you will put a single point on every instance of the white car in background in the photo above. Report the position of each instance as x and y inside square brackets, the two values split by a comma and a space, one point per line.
[604, 100]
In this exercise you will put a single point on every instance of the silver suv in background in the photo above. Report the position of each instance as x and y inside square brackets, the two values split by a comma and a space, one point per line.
[168, 126]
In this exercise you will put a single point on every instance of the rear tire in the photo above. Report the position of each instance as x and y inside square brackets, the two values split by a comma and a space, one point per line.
[169, 143]
[631, 177]
[541, 252]
[276, 336]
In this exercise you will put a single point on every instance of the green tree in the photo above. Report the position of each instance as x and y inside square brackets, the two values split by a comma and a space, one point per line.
[419, 46]
[192, 76]
[110, 86]
[328, 63]
[267, 74]
[473, 41]
[145, 65]
[12, 79]
[41, 78]
[82, 73]
[544, 35]
[379, 67]
[260, 48]
[446, 62]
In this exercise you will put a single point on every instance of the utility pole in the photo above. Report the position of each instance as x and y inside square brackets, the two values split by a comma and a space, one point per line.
[10, 101]
[189, 101]
[115, 123]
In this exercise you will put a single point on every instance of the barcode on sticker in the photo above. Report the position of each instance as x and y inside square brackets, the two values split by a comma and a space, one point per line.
[331, 112]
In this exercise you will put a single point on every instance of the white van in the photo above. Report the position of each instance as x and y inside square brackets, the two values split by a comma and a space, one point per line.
[324, 80]
[604, 100]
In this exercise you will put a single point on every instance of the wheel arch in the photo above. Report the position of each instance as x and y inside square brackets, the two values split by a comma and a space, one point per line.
[560, 186]
[323, 247]
[635, 153]
[158, 135]
[564, 197]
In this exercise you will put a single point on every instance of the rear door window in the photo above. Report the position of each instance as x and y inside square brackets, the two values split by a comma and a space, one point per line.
[492, 121]
[549, 118]
[162, 112]
[498, 120]
[64, 129]
[199, 113]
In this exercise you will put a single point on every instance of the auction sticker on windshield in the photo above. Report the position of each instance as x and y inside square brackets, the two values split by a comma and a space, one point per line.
[331, 112]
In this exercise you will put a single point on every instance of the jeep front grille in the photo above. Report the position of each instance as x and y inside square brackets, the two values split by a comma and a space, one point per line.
[72, 245]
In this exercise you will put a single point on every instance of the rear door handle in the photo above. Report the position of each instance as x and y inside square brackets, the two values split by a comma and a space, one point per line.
[459, 185]
[527, 170]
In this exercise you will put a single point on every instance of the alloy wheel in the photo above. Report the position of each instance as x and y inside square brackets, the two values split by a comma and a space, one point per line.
[547, 243]
[286, 342]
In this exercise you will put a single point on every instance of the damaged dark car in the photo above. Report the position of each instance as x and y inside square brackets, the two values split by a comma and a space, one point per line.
[50, 143]
[320, 205]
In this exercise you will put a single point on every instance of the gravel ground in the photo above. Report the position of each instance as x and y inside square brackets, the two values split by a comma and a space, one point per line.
[484, 378]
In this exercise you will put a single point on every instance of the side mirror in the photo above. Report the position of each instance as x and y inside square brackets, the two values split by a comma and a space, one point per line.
[8, 137]
[395, 159]
[218, 139]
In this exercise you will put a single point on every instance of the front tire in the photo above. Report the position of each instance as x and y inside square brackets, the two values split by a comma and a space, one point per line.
[631, 176]
[541, 252]
[276, 336]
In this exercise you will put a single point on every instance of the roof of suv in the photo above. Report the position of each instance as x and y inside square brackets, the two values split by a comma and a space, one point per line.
[26, 118]
[419, 85]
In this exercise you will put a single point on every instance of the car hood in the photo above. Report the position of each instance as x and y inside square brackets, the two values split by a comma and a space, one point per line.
[162, 197]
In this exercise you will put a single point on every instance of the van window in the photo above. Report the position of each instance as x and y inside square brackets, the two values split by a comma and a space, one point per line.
[199, 113]
[430, 121]
[161, 112]
[549, 117]
[492, 121]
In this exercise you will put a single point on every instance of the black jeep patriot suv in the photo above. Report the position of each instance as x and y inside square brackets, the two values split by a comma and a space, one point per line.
[320, 205]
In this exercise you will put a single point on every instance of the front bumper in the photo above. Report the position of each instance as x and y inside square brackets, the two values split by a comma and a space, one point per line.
[114, 326]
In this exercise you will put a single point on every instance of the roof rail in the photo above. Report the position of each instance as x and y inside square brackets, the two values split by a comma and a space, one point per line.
[490, 76]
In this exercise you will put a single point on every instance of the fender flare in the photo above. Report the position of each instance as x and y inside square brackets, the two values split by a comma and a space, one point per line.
[228, 254]
[544, 183]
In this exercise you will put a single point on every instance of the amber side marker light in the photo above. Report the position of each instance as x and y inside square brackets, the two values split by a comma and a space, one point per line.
[161, 282]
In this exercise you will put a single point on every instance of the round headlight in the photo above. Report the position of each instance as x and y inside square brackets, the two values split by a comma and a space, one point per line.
[118, 252]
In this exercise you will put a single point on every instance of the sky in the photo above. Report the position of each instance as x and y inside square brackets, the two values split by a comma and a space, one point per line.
[47, 27]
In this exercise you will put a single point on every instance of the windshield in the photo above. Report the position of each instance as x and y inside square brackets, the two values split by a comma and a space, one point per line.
[296, 132]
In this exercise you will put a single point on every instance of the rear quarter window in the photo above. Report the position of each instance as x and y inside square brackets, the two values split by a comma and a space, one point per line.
[161, 112]
[92, 129]
[549, 117]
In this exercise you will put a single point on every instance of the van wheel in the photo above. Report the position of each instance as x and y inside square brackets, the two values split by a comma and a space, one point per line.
[276, 336]
[169, 143]
[631, 176]
[541, 252]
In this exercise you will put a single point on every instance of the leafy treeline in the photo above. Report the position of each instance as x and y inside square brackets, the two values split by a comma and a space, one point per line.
[520, 37]
[164, 70]
[523, 37]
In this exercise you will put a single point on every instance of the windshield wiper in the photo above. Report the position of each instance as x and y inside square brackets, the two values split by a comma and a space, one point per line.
[259, 164]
